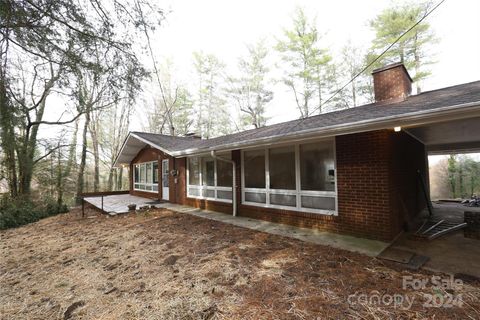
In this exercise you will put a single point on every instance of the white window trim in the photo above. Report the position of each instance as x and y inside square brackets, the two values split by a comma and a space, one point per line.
[145, 184]
[297, 192]
[201, 188]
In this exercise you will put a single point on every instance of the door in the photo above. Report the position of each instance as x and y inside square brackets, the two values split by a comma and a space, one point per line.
[165, 183]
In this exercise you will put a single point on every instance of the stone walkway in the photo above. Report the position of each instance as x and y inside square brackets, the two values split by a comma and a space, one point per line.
[116, 204]
[345, 242]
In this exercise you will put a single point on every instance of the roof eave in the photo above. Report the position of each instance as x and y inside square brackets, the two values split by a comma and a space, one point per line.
[454, 112]
[146, 141]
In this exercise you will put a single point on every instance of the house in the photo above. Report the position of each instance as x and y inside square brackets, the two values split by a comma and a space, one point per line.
[355, 171]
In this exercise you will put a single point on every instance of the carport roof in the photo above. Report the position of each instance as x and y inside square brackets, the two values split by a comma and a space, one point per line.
[456, 102]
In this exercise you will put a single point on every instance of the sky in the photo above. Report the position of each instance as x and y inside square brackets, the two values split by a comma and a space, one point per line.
[224, 28]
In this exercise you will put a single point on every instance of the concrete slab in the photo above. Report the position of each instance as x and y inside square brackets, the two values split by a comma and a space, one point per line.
[345, 242]
[452, 253]
[116, 204]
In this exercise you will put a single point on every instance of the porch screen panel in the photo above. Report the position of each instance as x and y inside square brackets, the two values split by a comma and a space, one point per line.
[155, 172]
[299, 177]
[208, 172]
[209, 178]
[143, 176]
[317, 166]
[224, 174]
[283, 199]
[254, 169]
[282, 168]
[323, 203]
[194, 171]
[255, 197]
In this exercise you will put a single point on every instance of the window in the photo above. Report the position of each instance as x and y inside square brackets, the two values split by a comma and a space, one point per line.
[224, 174]
[146, 176]
[194, 171]
[317, 167]
[296, 177]
[155, 172]
[208, 172]
[281, 164]
[210, 178]
[253, 173]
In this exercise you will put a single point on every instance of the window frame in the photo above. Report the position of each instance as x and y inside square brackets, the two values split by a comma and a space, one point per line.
[202, 187]
[297, 191]
[145, 184]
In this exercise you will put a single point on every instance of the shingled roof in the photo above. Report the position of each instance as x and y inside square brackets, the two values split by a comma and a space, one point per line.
[417, 108]
[427, 102]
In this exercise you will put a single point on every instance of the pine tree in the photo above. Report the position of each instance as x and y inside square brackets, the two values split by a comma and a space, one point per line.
[307, 65]
[411, 49]
[249, 90]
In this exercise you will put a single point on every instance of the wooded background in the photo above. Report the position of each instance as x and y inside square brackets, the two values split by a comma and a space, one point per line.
[73, 76]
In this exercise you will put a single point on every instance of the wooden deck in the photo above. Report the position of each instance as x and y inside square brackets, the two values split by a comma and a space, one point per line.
[115, 204]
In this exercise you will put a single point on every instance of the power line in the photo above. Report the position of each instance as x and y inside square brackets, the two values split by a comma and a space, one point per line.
[370, 64]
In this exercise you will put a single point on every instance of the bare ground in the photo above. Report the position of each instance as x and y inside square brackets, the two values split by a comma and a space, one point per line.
[166, 265]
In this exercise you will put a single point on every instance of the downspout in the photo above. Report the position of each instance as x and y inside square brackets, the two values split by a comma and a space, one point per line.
[234, 191]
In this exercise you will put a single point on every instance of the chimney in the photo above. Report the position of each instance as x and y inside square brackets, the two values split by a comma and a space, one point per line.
[391, 83]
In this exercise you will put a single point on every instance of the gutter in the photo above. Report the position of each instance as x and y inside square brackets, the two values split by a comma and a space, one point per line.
[234, 182]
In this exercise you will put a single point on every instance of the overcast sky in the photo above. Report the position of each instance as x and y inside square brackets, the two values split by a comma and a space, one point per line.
[225, 27]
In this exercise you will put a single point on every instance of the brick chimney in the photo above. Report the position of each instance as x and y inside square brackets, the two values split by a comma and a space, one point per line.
[391, 83]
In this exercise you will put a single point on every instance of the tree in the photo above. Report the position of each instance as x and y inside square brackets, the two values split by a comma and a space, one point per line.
[360, 90]
[212, 116]
[114, 131]
[113, 80]
[412, 49]
[172, 108]
[249, 90]
[45, 43]
[306, 64]
[452, 171]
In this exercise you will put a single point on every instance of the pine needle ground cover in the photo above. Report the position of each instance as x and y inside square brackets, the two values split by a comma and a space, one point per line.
[165, 265]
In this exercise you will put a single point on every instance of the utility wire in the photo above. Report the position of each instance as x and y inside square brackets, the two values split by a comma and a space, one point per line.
[370, 64]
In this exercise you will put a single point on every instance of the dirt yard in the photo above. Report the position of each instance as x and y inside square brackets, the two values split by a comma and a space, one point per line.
[165, 265]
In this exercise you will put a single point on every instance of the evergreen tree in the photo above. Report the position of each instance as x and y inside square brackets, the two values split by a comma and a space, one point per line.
[212, 116]
[249, 90]
[412, 48]
[306, 64]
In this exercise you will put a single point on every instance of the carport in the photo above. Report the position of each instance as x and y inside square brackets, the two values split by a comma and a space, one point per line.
[453, 252]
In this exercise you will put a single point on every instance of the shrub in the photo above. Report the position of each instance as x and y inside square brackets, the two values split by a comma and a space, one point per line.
[20, 211]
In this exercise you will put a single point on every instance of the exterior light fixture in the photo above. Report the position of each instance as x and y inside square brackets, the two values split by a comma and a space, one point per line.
[397, 129]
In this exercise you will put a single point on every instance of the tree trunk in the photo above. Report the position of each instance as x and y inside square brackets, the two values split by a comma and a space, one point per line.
[417, 62]
[83, 156]
[96, 155]
[68, 169]
[60, 183]
[7, 140]
[26, 152]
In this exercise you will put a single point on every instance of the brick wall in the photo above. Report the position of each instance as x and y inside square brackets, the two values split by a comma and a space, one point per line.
[377, 187]
[373, 173]
[151, 154]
